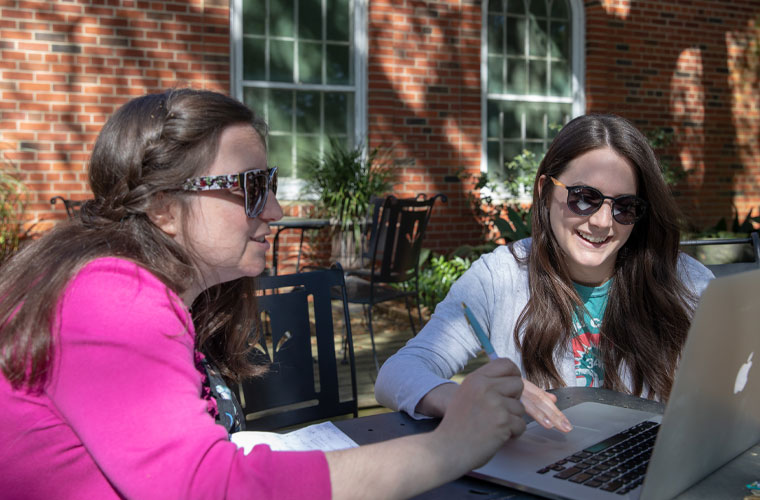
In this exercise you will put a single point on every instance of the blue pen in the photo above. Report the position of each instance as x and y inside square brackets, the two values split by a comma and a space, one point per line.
[479, 332]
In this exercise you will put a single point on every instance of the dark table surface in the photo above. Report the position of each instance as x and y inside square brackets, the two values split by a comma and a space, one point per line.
[299, 223]
[302, 223]
[727, 482]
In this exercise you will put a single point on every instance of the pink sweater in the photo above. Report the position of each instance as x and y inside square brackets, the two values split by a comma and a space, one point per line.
[122, 416]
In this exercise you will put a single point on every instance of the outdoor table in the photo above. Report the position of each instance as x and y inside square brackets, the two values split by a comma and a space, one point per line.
[727, 482]
[300, 223]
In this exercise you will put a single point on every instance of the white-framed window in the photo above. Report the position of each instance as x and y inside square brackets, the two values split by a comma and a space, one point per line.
[532, 69]
[301, 64]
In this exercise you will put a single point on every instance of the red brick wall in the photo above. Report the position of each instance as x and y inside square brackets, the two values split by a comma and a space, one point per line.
[67, 65]
[424, 100]
[693, 67]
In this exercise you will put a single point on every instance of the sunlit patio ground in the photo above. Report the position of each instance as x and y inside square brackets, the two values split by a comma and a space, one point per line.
[392, 330]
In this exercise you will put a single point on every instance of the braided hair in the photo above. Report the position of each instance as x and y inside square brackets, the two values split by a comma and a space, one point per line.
[144, 151]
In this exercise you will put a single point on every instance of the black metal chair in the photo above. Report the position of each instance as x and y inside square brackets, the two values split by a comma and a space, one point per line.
[391, 256]
[733, 267]
[71, 206]
[303, 383]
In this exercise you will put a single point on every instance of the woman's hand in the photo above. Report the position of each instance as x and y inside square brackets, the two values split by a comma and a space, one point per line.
[484, 412]
[478, 417]
[540, 405]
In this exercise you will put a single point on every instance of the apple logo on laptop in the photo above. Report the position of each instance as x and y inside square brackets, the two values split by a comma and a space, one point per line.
[741, 377]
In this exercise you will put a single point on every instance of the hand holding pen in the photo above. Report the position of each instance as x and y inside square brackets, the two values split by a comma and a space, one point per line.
[539, 404]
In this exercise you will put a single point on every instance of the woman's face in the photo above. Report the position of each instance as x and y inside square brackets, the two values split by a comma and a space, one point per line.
[590, 243]
[227, 243]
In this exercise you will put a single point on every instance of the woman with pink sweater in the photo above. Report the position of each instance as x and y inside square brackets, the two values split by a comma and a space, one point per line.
[119, 330]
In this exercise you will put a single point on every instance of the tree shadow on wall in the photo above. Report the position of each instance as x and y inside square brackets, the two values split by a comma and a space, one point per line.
[99, 57]
[687, 73]
[424, 100]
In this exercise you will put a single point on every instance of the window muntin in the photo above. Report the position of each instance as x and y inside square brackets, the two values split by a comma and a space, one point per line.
[299, 72]
[528, 77]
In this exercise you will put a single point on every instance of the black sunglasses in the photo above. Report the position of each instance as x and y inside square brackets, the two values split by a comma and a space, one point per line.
[254, 183]
[585, 200]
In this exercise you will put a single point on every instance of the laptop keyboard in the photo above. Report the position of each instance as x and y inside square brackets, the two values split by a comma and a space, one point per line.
[616, 464]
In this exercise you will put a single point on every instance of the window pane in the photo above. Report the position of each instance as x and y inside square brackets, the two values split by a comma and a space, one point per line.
[538, 30]
[495, 34]
[310, 62]
[338, 20]
[495, 6]
[493, 126]
[254, 63]
[534, 121]
[511, 149]
[256, 99]
[338, 110]
[495, 74]
[307, 147]
[253, 17]
[537, 77]
[537, 147]
[343, 141]
[309, 19]
[561, 80]
[338, 64]
[307, 112]
[516, 36]
[280, 153]
[516, 6]
[538, 7]
[512, 120]
[560, 40]
[556, 117]
[559, 9]
[280, 61]
[493, 152]
[517, 78]
[280, 110]
[281, 18]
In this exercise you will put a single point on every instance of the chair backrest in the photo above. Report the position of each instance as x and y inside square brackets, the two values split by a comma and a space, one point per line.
[732, 267]
[304, 382]
[71, 206]
[397, 230]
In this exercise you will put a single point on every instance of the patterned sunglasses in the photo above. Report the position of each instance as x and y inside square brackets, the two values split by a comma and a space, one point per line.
[255, 184]
[586, 200]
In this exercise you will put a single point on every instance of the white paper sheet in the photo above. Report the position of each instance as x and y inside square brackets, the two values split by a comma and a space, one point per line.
[325, 436]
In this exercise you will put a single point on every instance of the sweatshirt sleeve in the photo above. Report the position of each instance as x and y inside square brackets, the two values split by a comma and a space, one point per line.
[446, 343]
[694, 274]
[125, 381]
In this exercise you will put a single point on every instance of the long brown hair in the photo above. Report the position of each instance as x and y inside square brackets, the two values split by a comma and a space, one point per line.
[148, 147]
[649, 309]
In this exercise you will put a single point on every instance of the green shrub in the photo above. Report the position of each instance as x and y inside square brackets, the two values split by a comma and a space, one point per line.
[741, 228]
[436, 277]
[12, 205]
[345, 180]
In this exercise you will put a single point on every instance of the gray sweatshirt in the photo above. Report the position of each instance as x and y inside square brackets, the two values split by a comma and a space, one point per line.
[495, 288]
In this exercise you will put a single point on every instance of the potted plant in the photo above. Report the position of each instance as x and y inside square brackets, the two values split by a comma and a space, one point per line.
[344, 180]
[12, 205]
[724, 253]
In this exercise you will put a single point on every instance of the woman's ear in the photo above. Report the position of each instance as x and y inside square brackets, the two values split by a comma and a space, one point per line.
[164, 213]
[541, 181]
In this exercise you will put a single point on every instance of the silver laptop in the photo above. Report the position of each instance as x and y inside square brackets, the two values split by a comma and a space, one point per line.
[712, 416]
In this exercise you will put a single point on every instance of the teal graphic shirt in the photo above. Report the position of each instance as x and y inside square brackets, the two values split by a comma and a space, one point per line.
[589, 371]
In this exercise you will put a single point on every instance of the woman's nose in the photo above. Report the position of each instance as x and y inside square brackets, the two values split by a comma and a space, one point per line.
[603, 216]
[272, 210]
